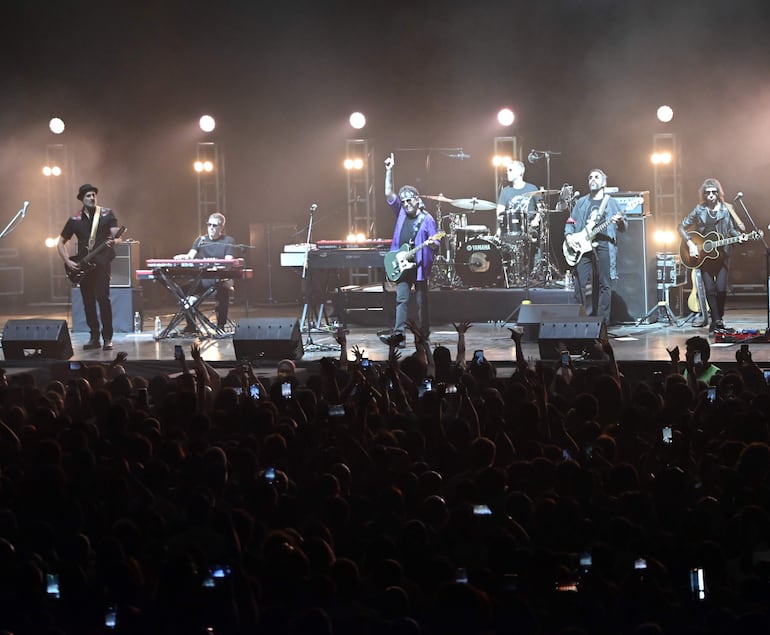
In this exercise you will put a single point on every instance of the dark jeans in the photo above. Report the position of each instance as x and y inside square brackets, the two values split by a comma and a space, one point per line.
[95, 289]
[403, 293]
[594, 267]
[715, 285]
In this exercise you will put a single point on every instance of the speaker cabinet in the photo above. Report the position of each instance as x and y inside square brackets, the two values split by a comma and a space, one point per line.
[532, 315]
[577, 336]
[268, 338]
[36, 337]
[634, 291]
[125, 302]
[125, 262]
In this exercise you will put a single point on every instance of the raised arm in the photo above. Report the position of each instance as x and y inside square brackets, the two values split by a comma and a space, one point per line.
[390, 195]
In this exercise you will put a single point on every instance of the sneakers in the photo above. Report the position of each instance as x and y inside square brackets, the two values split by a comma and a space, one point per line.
[91, 345]
[107, 345]
[384, 337]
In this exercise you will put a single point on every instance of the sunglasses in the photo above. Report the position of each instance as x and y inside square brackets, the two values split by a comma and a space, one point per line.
[408, 200]
[213, 224]
[712, 191]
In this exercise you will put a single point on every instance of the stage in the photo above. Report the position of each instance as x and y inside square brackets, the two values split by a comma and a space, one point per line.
[638, 347]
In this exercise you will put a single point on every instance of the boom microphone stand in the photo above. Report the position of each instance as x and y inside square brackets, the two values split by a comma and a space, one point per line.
[19, 216]
[739, 199]
[307, 324]
[533, 157]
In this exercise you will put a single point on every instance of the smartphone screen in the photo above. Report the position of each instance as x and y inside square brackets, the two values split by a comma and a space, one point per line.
[336, 410]
[565, 358]
[711, 394]
[696, 358]
[478, 356]
[52, 585]
[254, 391]
[177, 351]
[698, 583]
[364, 362]
[286, 390]
[74, 365]
[461, 575]
[668, 435]
[481, 510]
[766, 374]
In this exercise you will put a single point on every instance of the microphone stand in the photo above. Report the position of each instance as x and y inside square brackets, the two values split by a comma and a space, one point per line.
[767, 261]
[307, 324]
[13, 224]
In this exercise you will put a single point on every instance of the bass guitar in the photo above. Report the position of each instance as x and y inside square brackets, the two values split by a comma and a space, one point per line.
[396, 262]
[708, 246]
[86, 263]
[582, 241]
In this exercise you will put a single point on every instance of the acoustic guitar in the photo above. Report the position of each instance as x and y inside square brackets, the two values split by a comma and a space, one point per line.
[708, 246]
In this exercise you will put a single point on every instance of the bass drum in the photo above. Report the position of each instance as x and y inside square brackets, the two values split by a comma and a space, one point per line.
[480, 262]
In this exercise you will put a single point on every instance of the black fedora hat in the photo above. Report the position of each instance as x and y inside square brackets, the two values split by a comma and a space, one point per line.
[85, 189]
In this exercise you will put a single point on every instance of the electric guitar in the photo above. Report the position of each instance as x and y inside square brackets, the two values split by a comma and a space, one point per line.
[582, 241]
[708, 246]
[86, 262]
[396, 262]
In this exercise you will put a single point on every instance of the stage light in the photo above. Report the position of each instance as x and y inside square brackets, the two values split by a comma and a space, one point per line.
[198, 166]
[51, 170]
[207, 123]
[506, 117]
[661, 158]
[499, 161]
[56, 170]
[51, 242]
[665, 114]
[56, 125]
[357, 120]
[353, 164]
[46, 171]
[664, 236]
[208, 166]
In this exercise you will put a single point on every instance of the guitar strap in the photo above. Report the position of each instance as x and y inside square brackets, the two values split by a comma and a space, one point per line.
[94, 225]
[416, 228]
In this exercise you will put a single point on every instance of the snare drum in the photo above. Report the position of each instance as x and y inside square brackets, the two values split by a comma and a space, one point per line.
[467, 233]
[480, 262]
[512, 225]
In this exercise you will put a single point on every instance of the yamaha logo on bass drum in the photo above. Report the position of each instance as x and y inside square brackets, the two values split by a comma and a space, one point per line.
[478, 247]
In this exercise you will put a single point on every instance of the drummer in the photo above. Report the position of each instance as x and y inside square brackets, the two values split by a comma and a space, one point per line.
[515, 199]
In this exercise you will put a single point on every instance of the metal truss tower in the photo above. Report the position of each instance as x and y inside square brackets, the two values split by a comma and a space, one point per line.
[362, 211]
[667, 181]
[504, 147]
[210, 168]
[60, 189]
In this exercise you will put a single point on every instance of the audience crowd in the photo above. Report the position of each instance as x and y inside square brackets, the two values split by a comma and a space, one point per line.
[421, 495]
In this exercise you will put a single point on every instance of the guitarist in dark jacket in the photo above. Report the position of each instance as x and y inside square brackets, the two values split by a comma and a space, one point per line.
[92, 235]
[595, 265]
[414, 226]
[712, 214]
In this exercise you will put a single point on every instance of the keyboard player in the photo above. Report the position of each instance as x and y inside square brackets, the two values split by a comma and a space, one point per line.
[214, 244]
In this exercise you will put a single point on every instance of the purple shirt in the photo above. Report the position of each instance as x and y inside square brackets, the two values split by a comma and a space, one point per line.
[424, 257]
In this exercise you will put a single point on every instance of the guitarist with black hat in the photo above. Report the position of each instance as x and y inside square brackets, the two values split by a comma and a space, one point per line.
[711, 214]
[96, 230]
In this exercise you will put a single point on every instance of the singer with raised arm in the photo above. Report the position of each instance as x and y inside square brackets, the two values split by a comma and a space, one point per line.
[96, 230]
[711, 221]
[590, 235]
[416, 237]
[217, 245]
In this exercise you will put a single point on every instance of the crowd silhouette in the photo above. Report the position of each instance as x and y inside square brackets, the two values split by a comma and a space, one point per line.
[419, 495]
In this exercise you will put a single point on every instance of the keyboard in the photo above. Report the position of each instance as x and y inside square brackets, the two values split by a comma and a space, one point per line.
[180, 272]
[197, 263]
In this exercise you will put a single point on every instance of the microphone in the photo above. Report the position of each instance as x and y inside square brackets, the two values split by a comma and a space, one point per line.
[737, 196]
[460, 155]
[534, 156]
[575, 195]
[313, 208]
[24, 209]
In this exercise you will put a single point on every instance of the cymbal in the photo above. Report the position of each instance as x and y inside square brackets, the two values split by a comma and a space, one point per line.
[543, 193]
[475, 204]
[440, 198]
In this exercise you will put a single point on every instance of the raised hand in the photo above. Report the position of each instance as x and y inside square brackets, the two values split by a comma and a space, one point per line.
[674, 354]
[358, 353]
[461, 327]
[390, 162]
[195, 351]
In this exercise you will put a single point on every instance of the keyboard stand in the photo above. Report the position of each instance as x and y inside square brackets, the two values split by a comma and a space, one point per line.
[186, 309]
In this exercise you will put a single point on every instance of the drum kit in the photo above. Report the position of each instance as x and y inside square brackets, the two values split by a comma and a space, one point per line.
[473, 256]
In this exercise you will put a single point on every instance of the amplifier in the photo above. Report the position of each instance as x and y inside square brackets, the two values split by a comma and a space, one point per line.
[669, 270]
[642, 206]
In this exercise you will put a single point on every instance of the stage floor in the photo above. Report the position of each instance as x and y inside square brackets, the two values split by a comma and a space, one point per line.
[646, 342]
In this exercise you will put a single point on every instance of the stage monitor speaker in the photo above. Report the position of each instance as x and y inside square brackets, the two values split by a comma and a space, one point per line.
[532, 315]
[634, 291]
[268, 338]
[577, 335]
[49, 339]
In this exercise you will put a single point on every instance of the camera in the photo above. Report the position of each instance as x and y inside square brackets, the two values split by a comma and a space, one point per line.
[52, 585]
[336, 410]
[478, 357]
[254, 391]
[75, 366]
[565, 359]
[365, 362]
[667, 434]
[711, 394]
[698, 583]
[178, 351]
[482, 510]
[286, 390]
